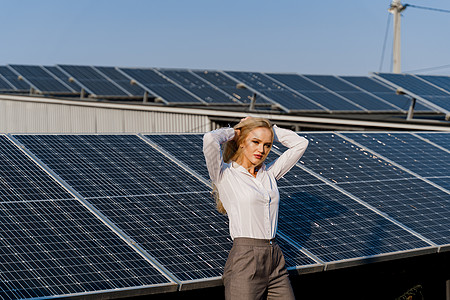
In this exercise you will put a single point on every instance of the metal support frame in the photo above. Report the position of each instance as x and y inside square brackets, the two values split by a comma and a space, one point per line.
[411, 109]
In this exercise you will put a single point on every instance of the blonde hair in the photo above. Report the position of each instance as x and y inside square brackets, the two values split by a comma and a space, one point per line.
[232, 151]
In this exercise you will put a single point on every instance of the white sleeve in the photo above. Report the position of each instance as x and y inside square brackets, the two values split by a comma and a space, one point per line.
[212, 151]
[297, 146]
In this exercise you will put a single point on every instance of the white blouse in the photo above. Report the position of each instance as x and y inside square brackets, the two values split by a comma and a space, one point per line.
[251, 203]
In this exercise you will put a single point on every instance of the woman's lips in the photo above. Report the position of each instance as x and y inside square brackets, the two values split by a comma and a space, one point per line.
[258, 156]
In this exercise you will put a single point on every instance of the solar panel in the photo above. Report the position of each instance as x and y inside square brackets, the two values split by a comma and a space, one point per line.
[51, 245]
[408, 151]
[368, 84]
[412, 84]
[228, 85]
[93, 82]
[63, 77]
[196, 85]
[41, 80]
[377, 182]
[146, 195]
[440, 81]
[160, 86]
[368, 101]
[332, 83]
[440, 138]
[296, 82]
[13, 79]
[5, 85]
[121, 80]
[285, 98]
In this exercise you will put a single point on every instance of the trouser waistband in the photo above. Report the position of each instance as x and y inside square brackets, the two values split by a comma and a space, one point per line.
[253, 242]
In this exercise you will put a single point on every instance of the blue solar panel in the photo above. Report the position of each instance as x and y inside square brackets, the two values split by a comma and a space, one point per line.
[413, 84]
[440, 81]
[196, 85]
[368, 101]
[331, 101]
[332, 83]
[334, 227]
[5, 85]
[94, 82]
[150, 198]
[368, 84]
[280, 95]
[296, 82]
[160, 86]
[52, 245]
[63, 77]
[228, 85]
[410, 152]
[42, 80]
[13, 79]
[121, 80]
[440, 138]
[378, 182]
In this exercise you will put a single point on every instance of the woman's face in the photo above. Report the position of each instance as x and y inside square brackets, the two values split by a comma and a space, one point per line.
[255, 147]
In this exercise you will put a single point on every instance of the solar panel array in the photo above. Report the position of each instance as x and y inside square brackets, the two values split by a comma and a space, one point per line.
[84, 214]
[433, 91]
[288, 92]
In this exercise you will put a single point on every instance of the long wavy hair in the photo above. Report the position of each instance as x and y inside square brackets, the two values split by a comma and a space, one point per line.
[232, 149]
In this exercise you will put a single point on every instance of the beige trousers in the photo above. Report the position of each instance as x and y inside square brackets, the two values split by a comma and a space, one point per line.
[255, 269]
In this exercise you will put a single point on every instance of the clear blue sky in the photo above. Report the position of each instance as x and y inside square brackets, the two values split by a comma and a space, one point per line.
[308, 37]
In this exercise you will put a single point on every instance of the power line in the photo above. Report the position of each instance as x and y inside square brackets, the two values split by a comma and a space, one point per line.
[427, 8]
[428, 69]
[384, 43]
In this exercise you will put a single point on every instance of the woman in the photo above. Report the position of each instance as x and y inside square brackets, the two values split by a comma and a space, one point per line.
[246, 189]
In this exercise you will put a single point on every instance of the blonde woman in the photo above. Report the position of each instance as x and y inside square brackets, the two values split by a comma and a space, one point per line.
[246, 190]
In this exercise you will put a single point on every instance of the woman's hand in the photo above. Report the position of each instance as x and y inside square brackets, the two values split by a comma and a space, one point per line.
[237, 131]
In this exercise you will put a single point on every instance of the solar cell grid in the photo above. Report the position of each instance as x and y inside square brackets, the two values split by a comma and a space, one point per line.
[413, 202]
[296, 82]
[41, 79]
[338, 160]
[4, 85]
[408, 151]
[63, 77]
[331, 101]
[93, 81]
[441, 139]
[412, 84]
[367, 101]
[50, 244]
[160, 86]
[334, 227]
[441, 81]
[368, 84]
[197, 86]
[121, 80]
[378, 182]
[331, 82]
[146, 195]
[13, 79]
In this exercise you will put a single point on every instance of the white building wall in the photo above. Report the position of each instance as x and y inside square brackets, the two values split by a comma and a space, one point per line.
[37, 117]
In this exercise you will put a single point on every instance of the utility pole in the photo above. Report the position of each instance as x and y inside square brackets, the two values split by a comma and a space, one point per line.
[395, 9]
